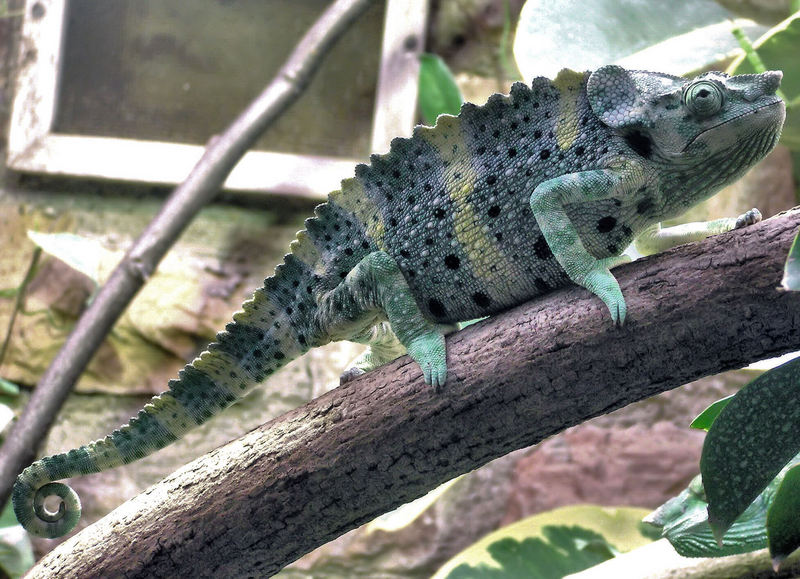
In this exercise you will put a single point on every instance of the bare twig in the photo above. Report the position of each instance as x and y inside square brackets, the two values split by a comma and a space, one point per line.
[260, 502]
[141, 260]
[19, 302]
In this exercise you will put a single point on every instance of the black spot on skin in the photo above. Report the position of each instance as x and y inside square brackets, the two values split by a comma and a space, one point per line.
[396, 174]
[640, 143]
[428, 241]
[437, 308]
[393, 222]
[279, 355]
[512, 152]
[542, 285]
[289, 311]
[296, 283]
[342, 274]
[452, 261]
[301, 339]
[496, 134]
[579, 150]
[412, 200]
[541, 249]
[612, 249]
[626, 231]
[644, 206]
[365, 245]
[481, 299]
[404, 253]
[606, 224]
[545, 154]
[309, 289]
[491, 180]
[537, 134]
[494, 211]
[427, 187]
[348, 251]
[498, 236]
[481, 150]
[526, 118]
[439, 213]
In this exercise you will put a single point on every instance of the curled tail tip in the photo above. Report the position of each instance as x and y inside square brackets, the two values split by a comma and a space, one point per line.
[28, 499]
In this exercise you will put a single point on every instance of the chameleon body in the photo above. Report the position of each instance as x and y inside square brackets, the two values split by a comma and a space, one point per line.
[487, 209]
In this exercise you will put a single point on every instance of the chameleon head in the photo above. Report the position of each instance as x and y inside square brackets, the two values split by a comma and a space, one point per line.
[723, 123]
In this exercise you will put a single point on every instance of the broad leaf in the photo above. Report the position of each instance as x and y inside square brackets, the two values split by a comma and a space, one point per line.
[791, 271]
[678, 38]
[751, 440]
[783, 518]
[438, 91]
[564, 550]
[707, 417]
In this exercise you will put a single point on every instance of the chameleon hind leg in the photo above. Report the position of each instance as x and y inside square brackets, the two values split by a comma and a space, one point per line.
[382, 347]
[375, 290]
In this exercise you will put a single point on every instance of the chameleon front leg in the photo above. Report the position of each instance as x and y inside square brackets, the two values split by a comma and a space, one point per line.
[548, 201]
[375, 289]
[655, 238]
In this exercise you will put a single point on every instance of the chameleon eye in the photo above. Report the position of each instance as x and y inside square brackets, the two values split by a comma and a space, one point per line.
[703, 98]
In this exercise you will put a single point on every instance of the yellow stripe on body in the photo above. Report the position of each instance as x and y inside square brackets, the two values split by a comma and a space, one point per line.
[475, 239]
[569, 83]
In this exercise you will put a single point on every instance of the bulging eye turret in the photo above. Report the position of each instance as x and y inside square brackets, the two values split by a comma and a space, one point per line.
[703, 98]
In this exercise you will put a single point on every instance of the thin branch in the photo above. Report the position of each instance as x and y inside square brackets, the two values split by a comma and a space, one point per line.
[253, 506]
[183, 204]
[19, 302]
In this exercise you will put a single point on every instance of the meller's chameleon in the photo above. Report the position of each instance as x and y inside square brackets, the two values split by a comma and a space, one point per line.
[484, 211]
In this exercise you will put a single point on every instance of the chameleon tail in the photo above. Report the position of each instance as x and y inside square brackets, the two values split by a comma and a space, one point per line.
[273, 328]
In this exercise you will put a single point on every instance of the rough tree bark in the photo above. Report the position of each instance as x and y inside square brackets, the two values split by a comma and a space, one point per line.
[262, 501]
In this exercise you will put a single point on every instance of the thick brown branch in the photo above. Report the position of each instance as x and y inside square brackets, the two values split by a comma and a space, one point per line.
[141, 260]
[264, 500]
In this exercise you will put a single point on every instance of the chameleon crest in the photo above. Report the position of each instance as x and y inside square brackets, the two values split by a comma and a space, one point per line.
[486, 210]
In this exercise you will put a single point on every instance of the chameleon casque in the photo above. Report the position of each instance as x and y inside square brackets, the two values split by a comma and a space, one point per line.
[483, 211]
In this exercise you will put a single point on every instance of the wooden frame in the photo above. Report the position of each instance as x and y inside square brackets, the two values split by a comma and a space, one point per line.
[34, 147]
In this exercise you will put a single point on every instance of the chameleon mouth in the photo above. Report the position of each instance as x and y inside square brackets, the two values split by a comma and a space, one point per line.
[773, 121]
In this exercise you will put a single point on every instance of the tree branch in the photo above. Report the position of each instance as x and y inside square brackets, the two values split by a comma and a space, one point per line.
[262, 501]
[130, 275]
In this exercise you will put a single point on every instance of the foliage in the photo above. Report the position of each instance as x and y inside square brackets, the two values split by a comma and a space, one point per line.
[679, 38]
[791, 272]
[551, 544]
[563, 550]
[438, 92]
[777, 50]
[749, 495]
[16, 551]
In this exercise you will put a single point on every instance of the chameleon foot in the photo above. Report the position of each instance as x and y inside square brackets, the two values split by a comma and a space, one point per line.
[428, 350]
[748, 218]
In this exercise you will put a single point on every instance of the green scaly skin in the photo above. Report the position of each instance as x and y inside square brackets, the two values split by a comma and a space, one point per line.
[482, 212]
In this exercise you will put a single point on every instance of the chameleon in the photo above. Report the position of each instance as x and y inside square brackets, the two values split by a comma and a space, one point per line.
[485, 210]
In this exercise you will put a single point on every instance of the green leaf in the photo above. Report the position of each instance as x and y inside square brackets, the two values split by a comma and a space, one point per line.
[791, 271]
[16, 551]
[564, 550]
[751, 440]
[617, 526]
[8, 388]
[707, 417]
[438, 91]
[778, 50]
[783, 518]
